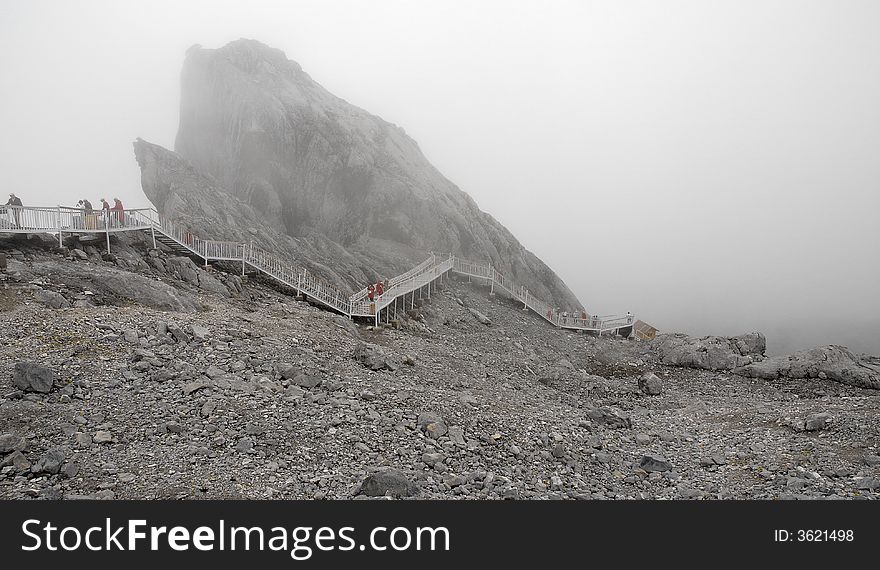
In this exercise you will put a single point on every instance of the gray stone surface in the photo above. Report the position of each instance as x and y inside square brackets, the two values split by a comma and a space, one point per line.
[831, 362]
[392, 482]
[432, 424]
[710, 352]
[33, 377]
[51, 299]
[50, 462]
[652, 462]
[650, 384]
[480, 317]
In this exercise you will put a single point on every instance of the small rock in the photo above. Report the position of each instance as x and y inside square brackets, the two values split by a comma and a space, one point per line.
[816, 422]
[11, 442]
[558, 451]
[652, 463]
[510, 493]
[307, 381]
[195, 386]
[609, 417]
[480, 316]
[650, 384]
[33, 377]
[200, 333]
[103, 437]
[455, 480]
[432, 458]
[388, 482]
[49, 462]
[432, 424]
[375, 358]
[17, 461]
[456, 434]
[70, 470]
[83, 439]
[867, 484]
[643, 439]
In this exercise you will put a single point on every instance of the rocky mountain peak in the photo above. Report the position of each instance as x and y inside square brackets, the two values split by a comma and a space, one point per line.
[310, 165]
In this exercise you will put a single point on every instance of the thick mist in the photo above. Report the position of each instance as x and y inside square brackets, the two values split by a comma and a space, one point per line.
[713, 167]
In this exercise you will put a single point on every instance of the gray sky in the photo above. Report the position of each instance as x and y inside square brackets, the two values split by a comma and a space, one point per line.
[712, 166]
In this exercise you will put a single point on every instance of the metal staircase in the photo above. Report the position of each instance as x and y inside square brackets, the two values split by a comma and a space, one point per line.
[419, 279]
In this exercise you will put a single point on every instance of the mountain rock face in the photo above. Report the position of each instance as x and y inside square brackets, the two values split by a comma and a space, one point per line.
[309, 165]
[196, 203]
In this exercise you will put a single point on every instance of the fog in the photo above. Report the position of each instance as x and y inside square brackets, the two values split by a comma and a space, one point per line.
[713, 167]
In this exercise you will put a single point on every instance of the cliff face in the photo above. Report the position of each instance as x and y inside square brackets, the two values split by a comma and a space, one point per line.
[310, 164]
[195, 202]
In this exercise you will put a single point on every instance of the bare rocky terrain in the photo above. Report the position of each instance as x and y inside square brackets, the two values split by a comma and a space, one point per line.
[143, 375]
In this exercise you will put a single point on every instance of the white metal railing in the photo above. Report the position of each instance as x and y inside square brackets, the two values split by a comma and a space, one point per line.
[364, 293]
[544, 310]
[297, 278]
[30, 219]
[60, 219]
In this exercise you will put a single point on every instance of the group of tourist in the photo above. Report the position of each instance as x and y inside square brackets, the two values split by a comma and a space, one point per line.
[377, 289]
[10, 213]
[115, 214]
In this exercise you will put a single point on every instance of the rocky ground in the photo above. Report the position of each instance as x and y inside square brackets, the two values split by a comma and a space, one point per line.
[140, 375]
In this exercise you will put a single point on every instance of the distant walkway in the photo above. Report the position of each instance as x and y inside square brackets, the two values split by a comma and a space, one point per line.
[401, 290]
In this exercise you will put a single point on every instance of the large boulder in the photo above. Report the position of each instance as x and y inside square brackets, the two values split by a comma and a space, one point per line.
[186, 270]
[33, 377]
[375, 358]
[609, 417]
[828, 362]
[650, 384]
[432, 424]
[114, 286]
[51, 299]
[50, 462]
[710, 352]
[390, 482]
[10, 442]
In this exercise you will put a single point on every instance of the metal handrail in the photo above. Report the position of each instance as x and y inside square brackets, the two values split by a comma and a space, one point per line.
[545, 311]
[364, 293]
[60, 219]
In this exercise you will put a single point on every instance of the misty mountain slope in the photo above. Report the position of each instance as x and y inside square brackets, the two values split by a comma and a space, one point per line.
[309, 163]
[194, 201]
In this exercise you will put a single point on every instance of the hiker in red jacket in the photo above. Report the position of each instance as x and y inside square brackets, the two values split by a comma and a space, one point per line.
[118, 210]
[380, 288]
[371, 292]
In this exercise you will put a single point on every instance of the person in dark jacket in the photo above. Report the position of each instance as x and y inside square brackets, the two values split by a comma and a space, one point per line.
[88, 214]
[15, 205]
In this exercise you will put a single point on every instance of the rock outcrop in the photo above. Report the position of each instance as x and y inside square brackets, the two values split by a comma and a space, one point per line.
[710, 352]
[294, 160]
[831, 362]
[744, 355]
